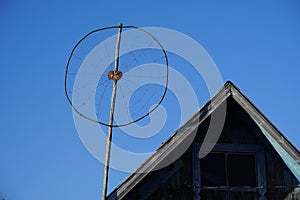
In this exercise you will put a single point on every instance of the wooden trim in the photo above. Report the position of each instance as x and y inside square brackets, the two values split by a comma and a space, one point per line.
[196, 173]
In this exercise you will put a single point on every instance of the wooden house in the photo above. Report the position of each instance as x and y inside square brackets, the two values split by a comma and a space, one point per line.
[252, 159]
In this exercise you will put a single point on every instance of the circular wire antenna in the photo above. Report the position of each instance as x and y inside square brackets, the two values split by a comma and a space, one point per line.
[140, 79]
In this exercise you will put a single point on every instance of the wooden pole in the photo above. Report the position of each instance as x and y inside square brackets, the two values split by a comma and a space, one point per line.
[111, 117]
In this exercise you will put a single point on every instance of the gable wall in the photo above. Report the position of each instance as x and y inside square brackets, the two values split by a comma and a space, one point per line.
[176, 181]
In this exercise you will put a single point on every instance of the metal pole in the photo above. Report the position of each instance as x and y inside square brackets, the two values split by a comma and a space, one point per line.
[111, 117]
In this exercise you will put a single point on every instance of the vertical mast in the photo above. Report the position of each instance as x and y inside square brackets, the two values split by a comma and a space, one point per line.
[115, 76]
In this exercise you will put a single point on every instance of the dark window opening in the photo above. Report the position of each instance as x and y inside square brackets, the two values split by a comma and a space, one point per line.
[241, 170]
[213, 170]
[229, 169]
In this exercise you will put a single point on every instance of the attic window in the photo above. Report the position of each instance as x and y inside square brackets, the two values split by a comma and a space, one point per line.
[229, 169]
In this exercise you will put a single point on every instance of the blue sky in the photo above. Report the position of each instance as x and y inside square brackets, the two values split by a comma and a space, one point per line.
[255, 44]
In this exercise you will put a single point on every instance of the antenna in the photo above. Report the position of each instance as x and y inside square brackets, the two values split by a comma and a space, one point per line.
[134, 64]
[115, 76]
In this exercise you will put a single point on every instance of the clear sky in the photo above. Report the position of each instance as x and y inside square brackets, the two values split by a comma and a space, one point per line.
[255, 44]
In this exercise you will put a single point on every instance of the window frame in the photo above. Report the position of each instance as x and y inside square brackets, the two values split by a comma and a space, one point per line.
[231, 148]
[227, 175]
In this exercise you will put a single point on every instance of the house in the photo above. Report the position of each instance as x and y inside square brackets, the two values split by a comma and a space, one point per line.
[252, 159]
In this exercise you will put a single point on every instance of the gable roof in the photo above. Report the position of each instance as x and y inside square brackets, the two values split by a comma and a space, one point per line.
[289, 154]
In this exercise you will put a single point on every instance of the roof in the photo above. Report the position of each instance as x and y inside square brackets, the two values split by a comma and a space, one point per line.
[287, 151]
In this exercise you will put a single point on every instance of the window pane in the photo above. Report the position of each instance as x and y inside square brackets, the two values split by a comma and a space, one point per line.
[213, 170]
[241, 170]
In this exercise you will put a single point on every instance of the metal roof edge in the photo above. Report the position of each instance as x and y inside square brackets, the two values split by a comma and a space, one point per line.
[286, 157]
